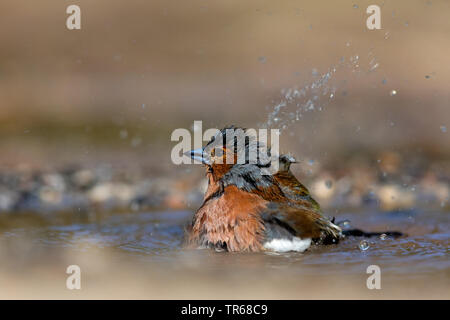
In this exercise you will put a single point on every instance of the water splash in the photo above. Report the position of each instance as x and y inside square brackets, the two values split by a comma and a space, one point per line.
[315, 95]
[373, 63]
[296, 101]
[312, 97]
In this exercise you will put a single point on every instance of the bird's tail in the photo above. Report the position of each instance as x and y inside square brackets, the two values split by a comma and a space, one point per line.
[331, 233]
[360, 233]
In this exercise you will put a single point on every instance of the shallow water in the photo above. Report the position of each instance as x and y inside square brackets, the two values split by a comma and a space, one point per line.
[149, 244]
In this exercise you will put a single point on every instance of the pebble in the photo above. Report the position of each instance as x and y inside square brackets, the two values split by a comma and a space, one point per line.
[26, 189]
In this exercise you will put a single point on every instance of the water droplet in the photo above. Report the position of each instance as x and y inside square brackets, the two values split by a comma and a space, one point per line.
[262, 59]
[136, 141]
[383, 81]
[393, 93]
[346, 225]
[364, 245]
[329, 184]
[443, 129]
[311, 162]
[123, 134]
[383, 236]
[374, 66]
[427, 77]
[355, 6]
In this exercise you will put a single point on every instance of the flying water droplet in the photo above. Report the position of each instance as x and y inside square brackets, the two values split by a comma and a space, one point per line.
[383, 236]
[329, 184]
[393, 93]
[123, 134]
[374, 66]
[136, 141]
[443, 129]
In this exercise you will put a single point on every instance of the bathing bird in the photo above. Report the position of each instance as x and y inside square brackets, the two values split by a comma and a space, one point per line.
[246, 209]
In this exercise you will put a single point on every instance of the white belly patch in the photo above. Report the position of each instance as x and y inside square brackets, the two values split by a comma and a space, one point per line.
[285, 245]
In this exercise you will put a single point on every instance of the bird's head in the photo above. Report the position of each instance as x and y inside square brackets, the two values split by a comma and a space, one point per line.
[285, 161]
[229, 147]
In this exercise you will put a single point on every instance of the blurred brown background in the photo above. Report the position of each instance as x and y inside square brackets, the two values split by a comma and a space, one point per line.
[137, 70]
[86, 117]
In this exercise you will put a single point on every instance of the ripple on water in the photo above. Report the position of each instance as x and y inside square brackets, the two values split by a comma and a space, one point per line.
[159, 236]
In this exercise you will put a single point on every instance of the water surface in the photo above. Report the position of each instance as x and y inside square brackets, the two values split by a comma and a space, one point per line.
[149, 245]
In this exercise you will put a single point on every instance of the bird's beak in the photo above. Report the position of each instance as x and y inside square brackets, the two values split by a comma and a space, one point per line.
[292, 159]
[198, 155]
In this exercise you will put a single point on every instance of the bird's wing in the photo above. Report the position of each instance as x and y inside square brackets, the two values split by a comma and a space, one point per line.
[300, 222]
[295, 190]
